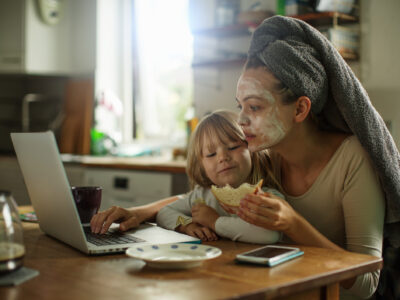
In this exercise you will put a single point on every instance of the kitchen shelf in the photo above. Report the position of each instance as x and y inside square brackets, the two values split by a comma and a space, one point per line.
[220, 63]
[314, 19]
[224, 32]
[326, 18]
[349, 56]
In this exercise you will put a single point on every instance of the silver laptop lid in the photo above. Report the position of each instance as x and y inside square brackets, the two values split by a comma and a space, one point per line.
[48, 187]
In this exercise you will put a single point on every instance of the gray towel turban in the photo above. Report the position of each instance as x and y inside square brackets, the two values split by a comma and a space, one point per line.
[305, 61]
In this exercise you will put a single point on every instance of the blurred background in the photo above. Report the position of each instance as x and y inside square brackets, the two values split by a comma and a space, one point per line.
[131, 78]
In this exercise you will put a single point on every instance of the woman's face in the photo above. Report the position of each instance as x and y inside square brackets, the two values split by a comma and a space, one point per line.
[264, 118]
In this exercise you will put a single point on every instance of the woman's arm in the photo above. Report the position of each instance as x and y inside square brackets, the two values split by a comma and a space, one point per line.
[363, 212]
[274, 213]
[127, 217]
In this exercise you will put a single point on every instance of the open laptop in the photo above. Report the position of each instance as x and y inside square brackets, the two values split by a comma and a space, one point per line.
[52, 199]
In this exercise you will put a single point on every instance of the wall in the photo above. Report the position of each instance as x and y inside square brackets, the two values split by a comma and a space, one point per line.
[29, 45]
[378, 68]
[380, 65]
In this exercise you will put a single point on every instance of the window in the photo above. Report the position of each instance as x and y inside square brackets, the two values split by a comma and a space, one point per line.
[143, 79]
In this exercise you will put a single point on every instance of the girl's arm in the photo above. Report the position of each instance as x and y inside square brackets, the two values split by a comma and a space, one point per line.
[175, 214]
[236, 229]
[230, 226]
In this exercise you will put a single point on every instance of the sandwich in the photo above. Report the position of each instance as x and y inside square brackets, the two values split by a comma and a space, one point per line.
[230, 196]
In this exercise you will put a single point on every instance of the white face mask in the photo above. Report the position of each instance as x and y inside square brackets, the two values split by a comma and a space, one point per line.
[266, 126]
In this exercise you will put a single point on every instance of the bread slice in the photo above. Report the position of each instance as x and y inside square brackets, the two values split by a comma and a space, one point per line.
[231, 196]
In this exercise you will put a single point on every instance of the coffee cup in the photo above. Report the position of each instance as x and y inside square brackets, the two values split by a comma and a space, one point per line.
[87, 200]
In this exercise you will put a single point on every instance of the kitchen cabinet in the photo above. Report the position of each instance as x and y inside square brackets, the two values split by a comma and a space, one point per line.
[11, 180]
[30, 45]
[122, 187]
[129, 188]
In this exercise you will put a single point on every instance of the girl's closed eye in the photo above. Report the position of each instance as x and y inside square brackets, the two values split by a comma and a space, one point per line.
[254, 108]
[234, 147]
[210, 154]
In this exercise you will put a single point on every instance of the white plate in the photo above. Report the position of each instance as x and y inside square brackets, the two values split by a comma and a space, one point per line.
[173, 256]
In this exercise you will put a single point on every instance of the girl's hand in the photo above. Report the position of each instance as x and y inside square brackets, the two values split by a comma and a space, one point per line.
[267, 211]
[201, 232]
[128, 219]
[204, 215]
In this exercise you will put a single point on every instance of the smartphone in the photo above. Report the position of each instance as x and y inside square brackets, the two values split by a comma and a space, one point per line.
[269, 255]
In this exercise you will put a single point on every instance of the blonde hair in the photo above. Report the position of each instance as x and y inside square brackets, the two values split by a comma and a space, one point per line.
[224, 125]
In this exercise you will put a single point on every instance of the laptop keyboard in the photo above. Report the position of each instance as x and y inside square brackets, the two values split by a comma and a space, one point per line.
[109, 238]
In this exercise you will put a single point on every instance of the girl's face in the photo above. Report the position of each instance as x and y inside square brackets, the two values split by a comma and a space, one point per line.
[264, 118]
[226, 163]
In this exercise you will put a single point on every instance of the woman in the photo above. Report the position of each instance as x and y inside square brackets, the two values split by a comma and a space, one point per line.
[298, 98]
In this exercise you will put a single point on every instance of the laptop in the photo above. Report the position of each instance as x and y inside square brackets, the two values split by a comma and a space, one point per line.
[51, 197]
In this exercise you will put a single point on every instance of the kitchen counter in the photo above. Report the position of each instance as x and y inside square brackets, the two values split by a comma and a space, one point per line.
[126, 181]
[149, 163]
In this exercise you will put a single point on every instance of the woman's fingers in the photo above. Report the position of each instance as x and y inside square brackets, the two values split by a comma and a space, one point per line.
[132, 222]
[229, 209]
[117, 214]
[269, 212]
[96, 223]
[261, 210]
[102, 221]
[252, 217]
[265, 200]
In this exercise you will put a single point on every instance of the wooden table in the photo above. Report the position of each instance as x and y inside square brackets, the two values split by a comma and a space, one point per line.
[66, 273]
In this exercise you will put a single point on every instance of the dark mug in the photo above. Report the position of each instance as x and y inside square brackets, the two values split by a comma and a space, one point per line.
[87, 200]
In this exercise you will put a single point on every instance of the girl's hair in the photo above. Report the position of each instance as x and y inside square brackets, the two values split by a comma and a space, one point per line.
[224, 125]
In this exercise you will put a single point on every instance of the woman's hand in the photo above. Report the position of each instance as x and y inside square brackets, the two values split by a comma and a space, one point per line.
[235, 209]
[204, 215]
[128, 218]
[199, 231]
[267, 211]
[229, 209]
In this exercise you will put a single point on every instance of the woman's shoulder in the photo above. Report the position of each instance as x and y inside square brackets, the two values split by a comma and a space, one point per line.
[351, 153]
[352, 146]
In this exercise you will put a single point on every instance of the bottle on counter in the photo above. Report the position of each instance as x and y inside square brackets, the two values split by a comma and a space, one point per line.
[12, 249]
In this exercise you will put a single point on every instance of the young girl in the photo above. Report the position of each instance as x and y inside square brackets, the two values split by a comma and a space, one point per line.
[218, 155]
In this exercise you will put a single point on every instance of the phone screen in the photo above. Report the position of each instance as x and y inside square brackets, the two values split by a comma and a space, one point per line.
[268, 252]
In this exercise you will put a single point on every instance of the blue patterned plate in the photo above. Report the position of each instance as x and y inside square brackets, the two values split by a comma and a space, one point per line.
[173, 256]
